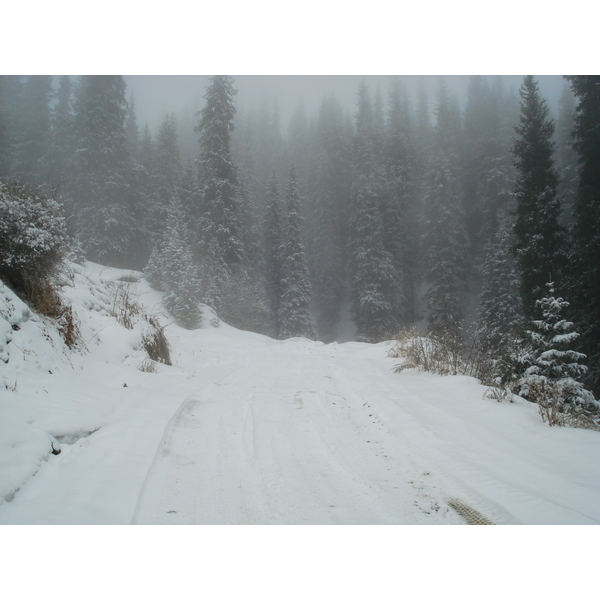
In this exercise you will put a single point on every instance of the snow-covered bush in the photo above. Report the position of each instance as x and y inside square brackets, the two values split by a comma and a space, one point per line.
[33, 242]
[33, 237]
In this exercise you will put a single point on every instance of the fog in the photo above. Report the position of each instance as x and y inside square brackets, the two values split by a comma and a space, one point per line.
[156, 95]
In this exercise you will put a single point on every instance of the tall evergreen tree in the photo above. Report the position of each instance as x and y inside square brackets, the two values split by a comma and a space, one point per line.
[294, 314]
[500, 310]
[176, 270]
[272, 235]
[399, 208]
[498, 173]
[585, 271]
[538, 234]
[100, 183]
[445, 242]
[327, 214]
[219, 187]
[167, 170]
[376, 285]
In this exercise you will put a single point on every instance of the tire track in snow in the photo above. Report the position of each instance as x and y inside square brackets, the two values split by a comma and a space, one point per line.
[262, 445]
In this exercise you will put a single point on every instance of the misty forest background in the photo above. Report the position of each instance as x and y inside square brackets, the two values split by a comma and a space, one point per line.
[476, 223]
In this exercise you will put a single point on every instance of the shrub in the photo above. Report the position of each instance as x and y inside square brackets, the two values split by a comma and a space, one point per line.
[33, 237]
[125, 307]
[148, 366]
[432, 353]
[496, 391]
[128, 312]
[155, 342]
[45, 300]
[556, 410]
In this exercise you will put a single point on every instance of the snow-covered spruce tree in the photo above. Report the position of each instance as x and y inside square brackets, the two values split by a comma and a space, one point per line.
[539, 237]
[294, 314]
[554, 369]
[273, 233]
[326, 228]
[106, 205]
[219, 189]
[375, 284]
[183, 298]
[445, 241]
[585, 234]
[165, 174]
[399, 206]
[500, 309]
[171, 268]
[232, 284]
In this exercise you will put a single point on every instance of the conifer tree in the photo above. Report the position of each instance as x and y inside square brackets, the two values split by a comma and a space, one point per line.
[376, 285]
[445, 243]
[294, 314]
[219, 188]
[500, 310]
[273, 234]
[399, 207]
[179, 274]
[538, 235]
[107, 207]
[585, 271]
[553, 362]
[327, 216]
[164, 173]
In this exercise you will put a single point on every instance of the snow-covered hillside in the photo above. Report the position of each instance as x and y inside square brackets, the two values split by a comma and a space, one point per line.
[245, 429]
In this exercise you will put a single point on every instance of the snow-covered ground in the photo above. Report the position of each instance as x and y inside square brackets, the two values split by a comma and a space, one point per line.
[243, 429]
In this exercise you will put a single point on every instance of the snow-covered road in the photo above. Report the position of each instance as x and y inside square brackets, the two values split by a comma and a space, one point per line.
[283, 438]
[246, 429]
[306, 433]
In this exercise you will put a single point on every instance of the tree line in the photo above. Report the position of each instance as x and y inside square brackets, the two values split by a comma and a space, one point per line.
[405, 211]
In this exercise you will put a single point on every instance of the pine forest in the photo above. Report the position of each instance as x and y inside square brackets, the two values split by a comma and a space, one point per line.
[473, 222]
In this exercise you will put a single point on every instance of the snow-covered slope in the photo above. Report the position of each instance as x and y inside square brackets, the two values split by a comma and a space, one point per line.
[246, 429]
